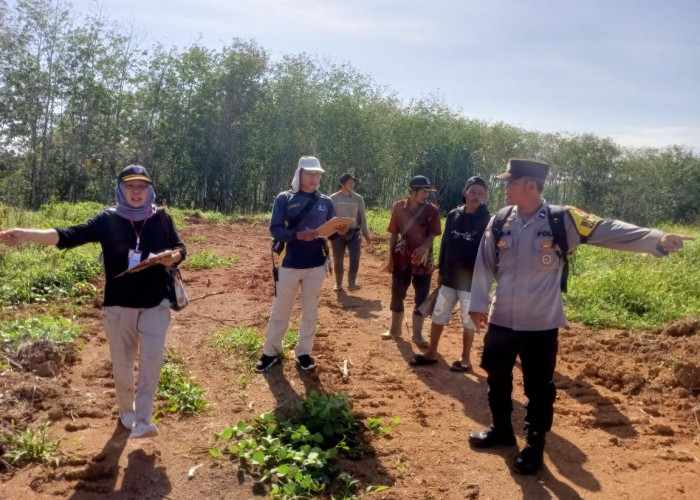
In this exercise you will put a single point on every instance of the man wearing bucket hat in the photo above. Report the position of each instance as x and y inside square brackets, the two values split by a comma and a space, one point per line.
[349, 204]
[413, 225]
[303, 263]
[522, 251]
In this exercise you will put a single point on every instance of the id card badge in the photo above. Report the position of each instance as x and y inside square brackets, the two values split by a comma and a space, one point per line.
[134, 258]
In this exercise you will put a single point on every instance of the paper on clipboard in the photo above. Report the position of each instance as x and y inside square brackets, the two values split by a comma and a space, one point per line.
[329, 227]
[143, 265]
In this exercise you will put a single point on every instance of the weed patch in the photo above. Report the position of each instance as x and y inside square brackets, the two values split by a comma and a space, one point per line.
[209, 260]
[176, 386]
[16, 332]
[297, 457]
[29, 446]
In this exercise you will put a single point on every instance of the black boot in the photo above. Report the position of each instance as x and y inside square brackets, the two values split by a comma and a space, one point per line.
[502, 435]
[529, 459]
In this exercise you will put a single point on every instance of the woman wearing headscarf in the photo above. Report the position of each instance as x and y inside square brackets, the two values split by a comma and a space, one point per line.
[136, 309]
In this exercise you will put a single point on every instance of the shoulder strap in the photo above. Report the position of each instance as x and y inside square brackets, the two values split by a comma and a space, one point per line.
[307, 208]
[413, 219]
[556, 214]
[497, 226]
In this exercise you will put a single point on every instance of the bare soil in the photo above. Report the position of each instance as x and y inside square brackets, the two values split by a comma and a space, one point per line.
[626, 421]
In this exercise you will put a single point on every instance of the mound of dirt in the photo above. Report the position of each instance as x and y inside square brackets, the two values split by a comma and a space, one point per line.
[46, 358]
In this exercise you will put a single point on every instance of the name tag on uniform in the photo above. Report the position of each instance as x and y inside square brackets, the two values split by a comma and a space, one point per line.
[134, 258]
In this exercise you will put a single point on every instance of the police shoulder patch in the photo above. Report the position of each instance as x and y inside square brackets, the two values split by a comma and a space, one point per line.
[585, 223]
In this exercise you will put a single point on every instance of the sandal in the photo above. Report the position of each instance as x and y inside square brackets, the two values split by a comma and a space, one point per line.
[420, 360]
[458, 366]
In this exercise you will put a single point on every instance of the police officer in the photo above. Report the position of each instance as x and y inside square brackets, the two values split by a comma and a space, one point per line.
[527, 309]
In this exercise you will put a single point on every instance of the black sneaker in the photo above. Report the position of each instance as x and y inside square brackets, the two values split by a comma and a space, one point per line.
[306, 362]
[265, 362]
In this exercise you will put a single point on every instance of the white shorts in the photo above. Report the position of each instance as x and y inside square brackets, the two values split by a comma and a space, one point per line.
[445, 303]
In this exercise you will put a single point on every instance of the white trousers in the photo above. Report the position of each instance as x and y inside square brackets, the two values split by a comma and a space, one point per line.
[126, 328]
[289, 282]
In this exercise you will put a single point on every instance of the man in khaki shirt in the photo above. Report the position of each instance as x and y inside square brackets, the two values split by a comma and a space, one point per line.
[349, 204]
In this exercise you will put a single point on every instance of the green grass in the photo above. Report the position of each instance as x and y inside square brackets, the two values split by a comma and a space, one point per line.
[209, 260]
[608, 288]
[33, 273]
[178, 388]
[42, 327]
[30, 446]
[246, 344]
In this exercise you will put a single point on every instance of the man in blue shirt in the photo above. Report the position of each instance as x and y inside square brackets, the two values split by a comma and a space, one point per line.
[303, 263]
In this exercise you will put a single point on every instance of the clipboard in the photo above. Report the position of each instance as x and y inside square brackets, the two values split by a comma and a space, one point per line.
[151, 261]
[329, 227]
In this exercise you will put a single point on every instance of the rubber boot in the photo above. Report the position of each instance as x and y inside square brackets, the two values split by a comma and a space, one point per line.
[338, 281]
[396, 323]
[529, 459]
[417, 325]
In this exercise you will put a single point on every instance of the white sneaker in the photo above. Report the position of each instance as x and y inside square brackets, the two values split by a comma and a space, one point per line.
[144, 430]
[127, 419]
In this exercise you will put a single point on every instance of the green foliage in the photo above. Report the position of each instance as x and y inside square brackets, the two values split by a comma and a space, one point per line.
[297, 457]
[30, 445]
[42, 327]
[246, 343]
[375, 425]
[34, 273]
[182, 393]
[209, 260]
[221, 129]
[241, 341]
[625, 290]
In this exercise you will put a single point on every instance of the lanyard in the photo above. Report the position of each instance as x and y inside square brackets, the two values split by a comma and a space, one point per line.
[138, 233]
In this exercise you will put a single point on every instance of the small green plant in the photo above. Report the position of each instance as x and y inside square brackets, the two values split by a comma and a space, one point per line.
[401, 467]
[290, 340]
[30, 445]
[176, 386]
[209, 260]
[42, 327]
[297, 457]
[375, 425]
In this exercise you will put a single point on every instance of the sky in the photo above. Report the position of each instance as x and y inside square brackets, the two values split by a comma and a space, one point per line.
[628, 70]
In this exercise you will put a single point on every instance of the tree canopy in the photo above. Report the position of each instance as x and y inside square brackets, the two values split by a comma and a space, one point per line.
[223, 128]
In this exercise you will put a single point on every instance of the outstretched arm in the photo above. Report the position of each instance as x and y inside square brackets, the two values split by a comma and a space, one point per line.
[17, 236]
[672, 242]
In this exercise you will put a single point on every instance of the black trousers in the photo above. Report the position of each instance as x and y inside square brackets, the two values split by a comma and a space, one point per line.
[401, 280]
[538, 356]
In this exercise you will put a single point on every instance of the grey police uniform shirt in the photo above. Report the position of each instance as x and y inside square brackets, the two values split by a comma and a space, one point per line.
[528, 269]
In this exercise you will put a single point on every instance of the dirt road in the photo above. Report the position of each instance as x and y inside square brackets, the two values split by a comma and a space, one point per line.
[624, 422]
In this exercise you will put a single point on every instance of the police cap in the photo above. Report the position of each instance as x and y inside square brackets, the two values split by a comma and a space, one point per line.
[518, 168]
